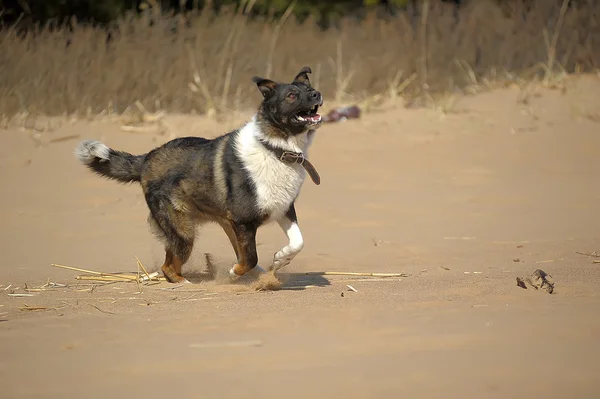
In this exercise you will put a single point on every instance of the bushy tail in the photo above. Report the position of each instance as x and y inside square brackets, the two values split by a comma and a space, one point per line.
[110, 163]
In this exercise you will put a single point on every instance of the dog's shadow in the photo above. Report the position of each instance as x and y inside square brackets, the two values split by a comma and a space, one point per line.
[219, 274]
[289, 281]
[301, 281]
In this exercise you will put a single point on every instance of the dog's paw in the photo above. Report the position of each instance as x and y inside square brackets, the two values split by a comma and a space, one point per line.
[233, 276]
[250, 275]
[279, 262]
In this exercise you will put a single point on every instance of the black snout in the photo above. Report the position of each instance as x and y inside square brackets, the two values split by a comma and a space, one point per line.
[314, 95]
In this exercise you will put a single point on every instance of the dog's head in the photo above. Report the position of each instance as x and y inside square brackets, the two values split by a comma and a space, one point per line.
[291, 108]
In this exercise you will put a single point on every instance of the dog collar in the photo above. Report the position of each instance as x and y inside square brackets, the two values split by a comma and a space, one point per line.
[294, 157]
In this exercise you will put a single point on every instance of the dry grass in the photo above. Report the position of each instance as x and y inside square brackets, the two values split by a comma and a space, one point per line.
[206, 66]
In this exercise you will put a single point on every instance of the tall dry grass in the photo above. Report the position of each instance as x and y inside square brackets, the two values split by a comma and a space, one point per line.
[206, 63]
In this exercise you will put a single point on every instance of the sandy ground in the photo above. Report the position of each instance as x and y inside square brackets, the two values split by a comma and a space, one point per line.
[462, 202]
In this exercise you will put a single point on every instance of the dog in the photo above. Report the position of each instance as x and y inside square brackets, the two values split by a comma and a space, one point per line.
[241, 180]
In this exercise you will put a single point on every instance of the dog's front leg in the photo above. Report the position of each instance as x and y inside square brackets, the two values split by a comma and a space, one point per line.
[289, 224]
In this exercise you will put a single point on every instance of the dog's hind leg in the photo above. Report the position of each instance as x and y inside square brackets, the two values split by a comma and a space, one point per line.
[289, 224]
[231, 235]
[245, 238]
[177, 231]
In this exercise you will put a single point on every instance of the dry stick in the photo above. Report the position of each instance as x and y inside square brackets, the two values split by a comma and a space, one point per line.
[27, 307]
[594, 254]
[225, 52]
[142, 266]
[114, 279]
[230, 66]
[94, 272]
[355, 274]
[138, 129]
[552, 49]
[275, 36]
[137, 280]
[339, 55]
[341, 82]
[249, 6]
[370, 280]
[108, 279]
[199, 83]
[235, 36]
[64, 138]
[103, 311]
[351, 288]
[423, 45]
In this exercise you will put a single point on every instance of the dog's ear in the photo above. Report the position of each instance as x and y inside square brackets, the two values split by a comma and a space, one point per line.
[302, 76]
[265, 86]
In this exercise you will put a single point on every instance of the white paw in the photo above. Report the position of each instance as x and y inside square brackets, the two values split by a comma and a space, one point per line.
[280, 260]
[233, 276]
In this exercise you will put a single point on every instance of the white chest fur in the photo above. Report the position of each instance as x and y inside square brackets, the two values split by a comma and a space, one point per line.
[277, 183]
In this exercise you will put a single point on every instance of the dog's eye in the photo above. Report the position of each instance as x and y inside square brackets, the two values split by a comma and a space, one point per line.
[292, 96]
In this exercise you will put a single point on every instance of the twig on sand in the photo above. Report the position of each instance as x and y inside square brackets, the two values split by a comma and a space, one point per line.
[20, 295]
[227, 344]
[171, 288]
[112, 277]
[124, 277]
[138, 129]
[34, 308]
[64, 138]
[69, 304]
[140, 264]
[370, 280]
[106, 279]
[592, 254]
[596, 261]
[137, 280]
[351, 288]
[355, 274]
[103, 311]
[52, 284]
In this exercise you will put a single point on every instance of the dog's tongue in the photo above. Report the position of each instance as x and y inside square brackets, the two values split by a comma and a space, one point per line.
[313, 118]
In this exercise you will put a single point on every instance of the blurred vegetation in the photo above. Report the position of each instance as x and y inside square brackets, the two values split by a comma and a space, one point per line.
[104, 11]
[324, 13]
[201, 62]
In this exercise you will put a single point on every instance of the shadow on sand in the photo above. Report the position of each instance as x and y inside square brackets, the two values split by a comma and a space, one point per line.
[289, 281]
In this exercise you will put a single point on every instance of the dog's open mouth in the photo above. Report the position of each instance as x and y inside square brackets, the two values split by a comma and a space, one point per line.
[309, 116]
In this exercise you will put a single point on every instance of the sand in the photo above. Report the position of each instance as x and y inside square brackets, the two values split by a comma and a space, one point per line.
[463, 202]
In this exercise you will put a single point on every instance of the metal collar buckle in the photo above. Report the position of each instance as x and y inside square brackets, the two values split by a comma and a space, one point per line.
[297, 157]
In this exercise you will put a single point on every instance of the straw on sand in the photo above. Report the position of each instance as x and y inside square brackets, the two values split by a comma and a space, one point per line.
[122, 276]
[102, 276]
[140, 264]
[355, 274]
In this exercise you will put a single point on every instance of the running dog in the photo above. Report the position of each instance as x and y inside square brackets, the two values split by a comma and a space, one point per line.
[240, 180]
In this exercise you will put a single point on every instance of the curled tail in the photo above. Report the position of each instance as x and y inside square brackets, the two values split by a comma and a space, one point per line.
[105, 161]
